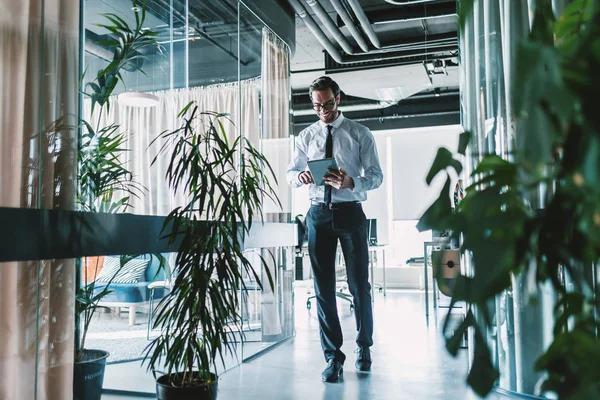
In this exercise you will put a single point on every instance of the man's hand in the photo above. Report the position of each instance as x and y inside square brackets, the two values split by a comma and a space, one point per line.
[339, 179]
[305, 177]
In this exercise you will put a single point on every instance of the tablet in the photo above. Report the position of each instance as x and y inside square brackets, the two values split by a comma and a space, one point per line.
[318, 169]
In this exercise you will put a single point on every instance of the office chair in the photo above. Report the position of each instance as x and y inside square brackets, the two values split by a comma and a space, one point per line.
[340, 284]
[340, 270]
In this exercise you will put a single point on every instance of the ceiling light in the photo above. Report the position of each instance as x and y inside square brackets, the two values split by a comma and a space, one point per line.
[138, 99]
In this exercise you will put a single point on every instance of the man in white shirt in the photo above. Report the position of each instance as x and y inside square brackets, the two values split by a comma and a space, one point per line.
[336, 214]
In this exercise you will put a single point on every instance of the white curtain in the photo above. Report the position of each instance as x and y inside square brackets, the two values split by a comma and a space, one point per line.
[143, 125]
[39, 59]
[275, 138]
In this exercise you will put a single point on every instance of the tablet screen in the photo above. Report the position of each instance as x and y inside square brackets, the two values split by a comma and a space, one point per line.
[318, 169]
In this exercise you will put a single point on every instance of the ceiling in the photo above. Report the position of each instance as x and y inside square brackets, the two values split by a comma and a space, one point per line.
[212, 55]
[411, 80]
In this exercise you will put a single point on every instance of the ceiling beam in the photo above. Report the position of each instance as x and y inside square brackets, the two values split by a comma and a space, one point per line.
[412, 42]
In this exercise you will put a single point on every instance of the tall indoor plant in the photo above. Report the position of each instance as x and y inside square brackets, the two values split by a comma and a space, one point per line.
[225, 183]
[555, 84]
[104, 184]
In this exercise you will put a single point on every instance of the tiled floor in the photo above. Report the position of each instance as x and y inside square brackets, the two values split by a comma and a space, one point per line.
[410, 361]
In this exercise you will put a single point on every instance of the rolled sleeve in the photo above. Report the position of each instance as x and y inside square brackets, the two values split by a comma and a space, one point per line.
[373, 175]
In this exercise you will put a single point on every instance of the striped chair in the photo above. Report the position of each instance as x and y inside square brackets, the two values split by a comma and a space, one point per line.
[130, 285]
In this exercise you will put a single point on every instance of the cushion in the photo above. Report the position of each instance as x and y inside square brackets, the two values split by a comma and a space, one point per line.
[131, 272]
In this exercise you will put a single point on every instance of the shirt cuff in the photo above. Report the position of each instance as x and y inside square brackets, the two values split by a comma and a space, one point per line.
[298, 178]
[357, 184]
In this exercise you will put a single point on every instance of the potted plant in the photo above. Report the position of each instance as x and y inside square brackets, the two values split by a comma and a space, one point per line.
[499, 225]
[104, 185]
[224, 183]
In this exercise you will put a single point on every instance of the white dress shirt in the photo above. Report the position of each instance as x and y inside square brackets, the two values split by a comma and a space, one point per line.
[354, 151]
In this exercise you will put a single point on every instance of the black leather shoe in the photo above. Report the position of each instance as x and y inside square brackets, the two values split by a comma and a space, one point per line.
[333, 371]
[363, 359]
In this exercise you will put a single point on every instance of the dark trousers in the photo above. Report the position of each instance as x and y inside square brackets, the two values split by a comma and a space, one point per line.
[346, 223]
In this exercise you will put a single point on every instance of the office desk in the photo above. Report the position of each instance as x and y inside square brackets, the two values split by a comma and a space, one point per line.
[373, 249]
[441, 244]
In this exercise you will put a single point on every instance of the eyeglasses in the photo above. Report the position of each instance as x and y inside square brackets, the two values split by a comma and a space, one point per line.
[330, 105]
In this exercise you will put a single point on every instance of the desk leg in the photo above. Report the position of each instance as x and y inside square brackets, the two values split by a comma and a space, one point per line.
[434, 288]
[426, 280]
[383, 254]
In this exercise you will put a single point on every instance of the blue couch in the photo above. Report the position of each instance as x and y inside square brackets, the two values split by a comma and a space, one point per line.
[134, 295]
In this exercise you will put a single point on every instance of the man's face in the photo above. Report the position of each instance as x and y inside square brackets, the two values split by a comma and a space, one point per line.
[325, 104]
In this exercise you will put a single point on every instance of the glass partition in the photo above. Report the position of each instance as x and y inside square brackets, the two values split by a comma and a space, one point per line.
[216, 54]
[265, 95]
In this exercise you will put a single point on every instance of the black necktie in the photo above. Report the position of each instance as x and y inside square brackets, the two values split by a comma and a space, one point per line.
[328, 154]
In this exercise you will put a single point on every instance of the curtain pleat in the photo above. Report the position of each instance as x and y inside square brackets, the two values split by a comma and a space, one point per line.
[275, 141]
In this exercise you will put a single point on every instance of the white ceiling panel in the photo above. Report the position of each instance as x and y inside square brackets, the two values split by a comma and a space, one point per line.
[385, 84]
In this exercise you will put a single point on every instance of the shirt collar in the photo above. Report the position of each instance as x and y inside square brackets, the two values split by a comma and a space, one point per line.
[336, 124]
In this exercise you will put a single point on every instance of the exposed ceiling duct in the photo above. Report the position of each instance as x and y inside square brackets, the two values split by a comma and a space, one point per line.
[394, 54]
[412, 12]
[374, 76]
[316, 31]
[427, 42]
[364, 22]
[331, 27]
[391, 52]
[339, 8]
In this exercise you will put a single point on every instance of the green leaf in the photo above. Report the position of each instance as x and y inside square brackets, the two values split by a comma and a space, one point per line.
[443, 159]
[494, 169]
[542, 28]
[439, 213]
[453, 342]
[465, 11]
[591, 162]
[482, 375]
[463, 142]
[572, 22]
[185, 109]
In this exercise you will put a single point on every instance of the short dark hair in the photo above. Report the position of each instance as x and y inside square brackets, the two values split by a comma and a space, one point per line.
[324, 83]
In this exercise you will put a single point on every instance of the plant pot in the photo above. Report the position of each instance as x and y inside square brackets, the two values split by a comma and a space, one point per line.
[89, 375]
[165, 391]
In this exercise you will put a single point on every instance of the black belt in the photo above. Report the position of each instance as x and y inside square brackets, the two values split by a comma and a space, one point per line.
[334, 206]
